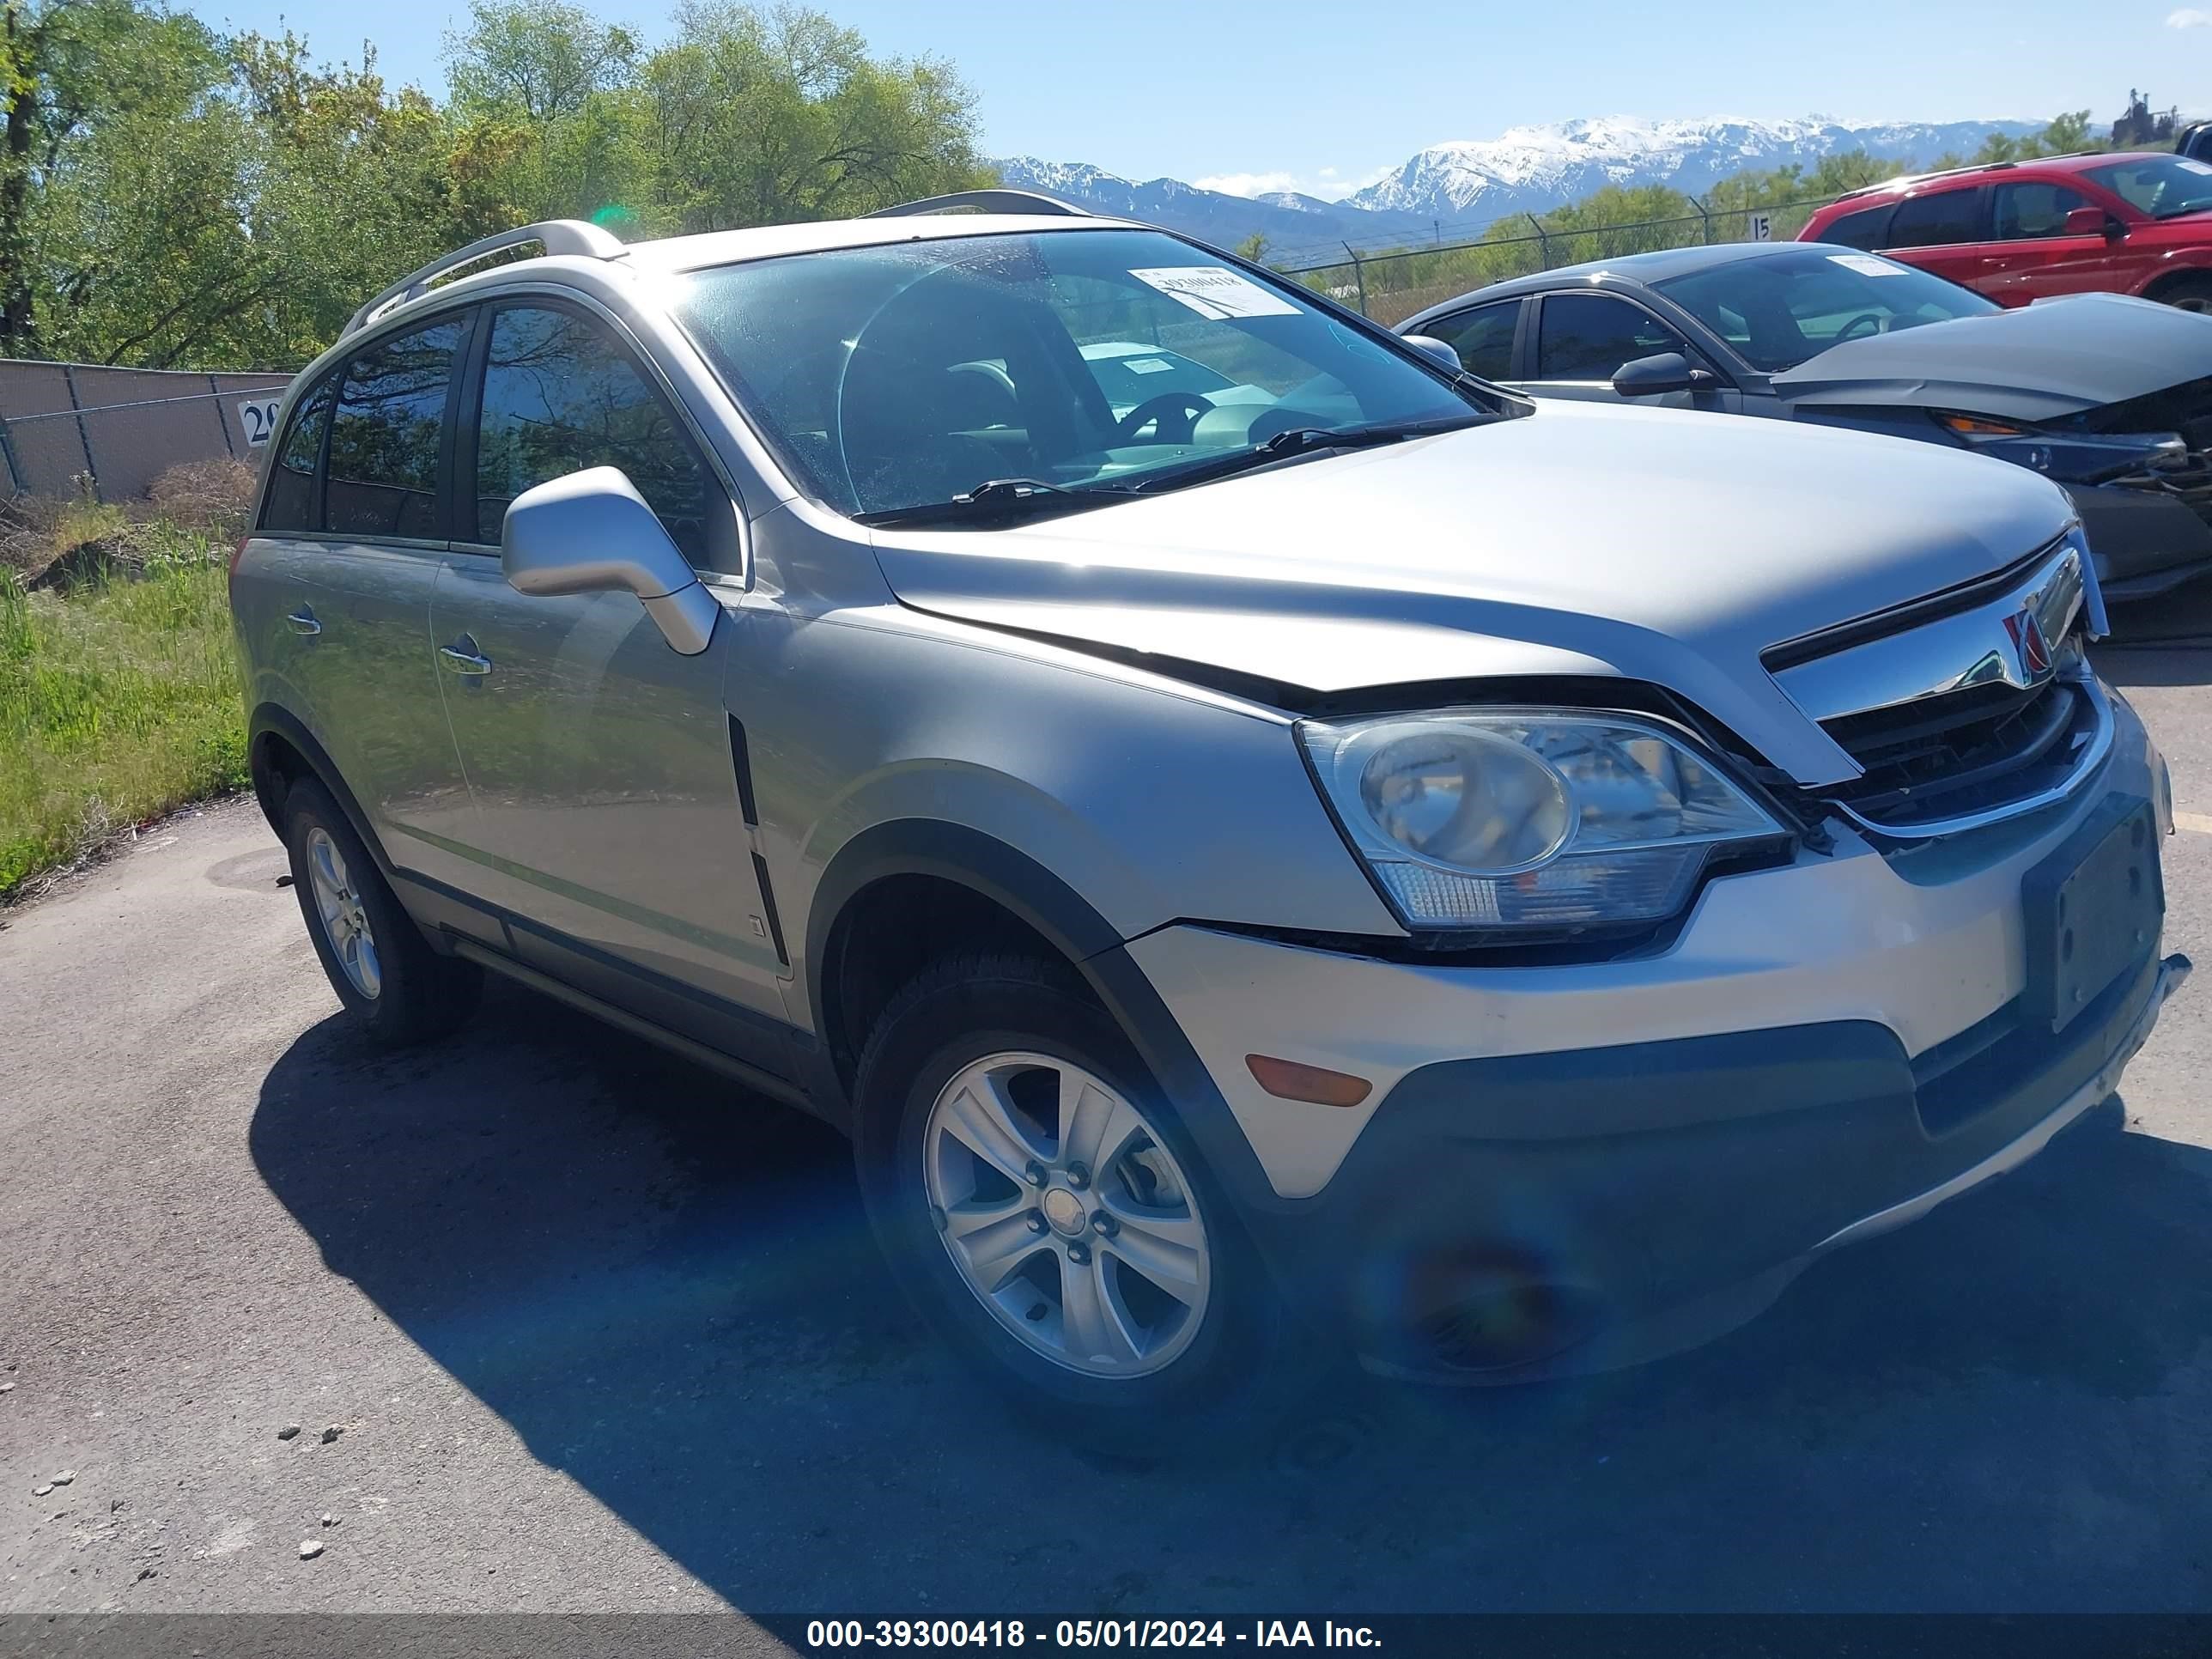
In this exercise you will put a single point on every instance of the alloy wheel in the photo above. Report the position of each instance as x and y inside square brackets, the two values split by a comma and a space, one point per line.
[1066, 1214]
[345, 920]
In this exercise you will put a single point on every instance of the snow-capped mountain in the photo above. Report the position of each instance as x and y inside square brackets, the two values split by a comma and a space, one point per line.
[1459, 187]
[1534, 169]
[1285, 218]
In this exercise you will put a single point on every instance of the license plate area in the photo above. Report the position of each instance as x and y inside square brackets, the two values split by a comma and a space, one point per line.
[2092, 908]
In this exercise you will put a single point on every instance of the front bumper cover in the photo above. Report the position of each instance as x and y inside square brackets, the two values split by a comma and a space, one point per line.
[1493, 1258]
[1570, 1168]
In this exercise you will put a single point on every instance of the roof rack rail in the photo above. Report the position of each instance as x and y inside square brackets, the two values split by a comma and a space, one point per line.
[558, 236]
[996, 200]
[1903, 178]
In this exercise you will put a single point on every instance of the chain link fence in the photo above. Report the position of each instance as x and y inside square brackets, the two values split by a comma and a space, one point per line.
[1392, 285]
[78, 429]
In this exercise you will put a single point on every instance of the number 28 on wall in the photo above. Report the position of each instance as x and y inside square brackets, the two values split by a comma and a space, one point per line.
[258, 416]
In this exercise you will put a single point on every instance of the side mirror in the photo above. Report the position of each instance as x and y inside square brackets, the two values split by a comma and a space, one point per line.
[1430, 347]
[2093, 221]
[1664, 371]
[592, 533]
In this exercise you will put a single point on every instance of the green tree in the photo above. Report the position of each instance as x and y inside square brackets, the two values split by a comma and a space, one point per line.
[82, 75]
[760, 117]
[539, 60]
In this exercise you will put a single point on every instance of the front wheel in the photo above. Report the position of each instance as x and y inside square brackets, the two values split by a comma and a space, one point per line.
[1040, 1203]
[2188, 294]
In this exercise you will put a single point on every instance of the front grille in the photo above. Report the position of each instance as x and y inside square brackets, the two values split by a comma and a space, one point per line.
[1973, 705]
[1972, 753]
[2185, 409]
[2187, 481]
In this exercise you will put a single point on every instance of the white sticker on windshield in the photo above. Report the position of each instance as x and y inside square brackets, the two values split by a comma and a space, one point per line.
[1146, 365]
[1215, 291]
[1867, 265]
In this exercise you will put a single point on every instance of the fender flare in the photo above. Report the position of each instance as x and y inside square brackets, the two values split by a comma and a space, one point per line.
[271, 720]
[2182, 265]
[1067, 921]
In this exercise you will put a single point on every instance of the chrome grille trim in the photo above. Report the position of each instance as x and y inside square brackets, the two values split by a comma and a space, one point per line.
[1954, 653]
[2092, 749]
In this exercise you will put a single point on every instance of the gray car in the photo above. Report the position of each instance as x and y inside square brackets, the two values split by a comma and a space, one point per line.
[1386, 866]
[2109, 395]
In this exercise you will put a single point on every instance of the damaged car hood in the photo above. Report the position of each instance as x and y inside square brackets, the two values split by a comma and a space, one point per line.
[1582, 541]
[2038, 363]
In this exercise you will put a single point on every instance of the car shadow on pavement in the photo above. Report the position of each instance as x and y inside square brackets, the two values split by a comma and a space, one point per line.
[669, 1291]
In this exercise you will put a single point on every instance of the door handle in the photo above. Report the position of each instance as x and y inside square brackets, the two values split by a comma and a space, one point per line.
[462, 658]
[302, 621]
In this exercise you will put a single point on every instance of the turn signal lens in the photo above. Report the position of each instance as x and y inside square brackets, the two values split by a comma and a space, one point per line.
[1971, 427]
[1286, 1079]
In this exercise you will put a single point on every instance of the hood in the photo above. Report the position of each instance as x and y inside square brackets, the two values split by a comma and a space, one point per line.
[2052, 359]
[1584, 540]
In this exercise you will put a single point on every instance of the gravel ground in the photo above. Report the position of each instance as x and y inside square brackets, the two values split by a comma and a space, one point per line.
[566, 1326]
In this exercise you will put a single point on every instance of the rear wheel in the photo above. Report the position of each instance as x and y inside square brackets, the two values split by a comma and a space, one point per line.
[397, 989]
[1040, 1204]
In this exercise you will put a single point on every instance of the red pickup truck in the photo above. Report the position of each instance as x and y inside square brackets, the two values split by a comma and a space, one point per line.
[2020, 231]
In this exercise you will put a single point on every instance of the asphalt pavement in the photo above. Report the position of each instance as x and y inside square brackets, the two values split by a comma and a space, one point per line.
[565, 1325]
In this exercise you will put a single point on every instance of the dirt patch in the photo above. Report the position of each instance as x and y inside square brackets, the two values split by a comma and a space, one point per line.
[67, 546]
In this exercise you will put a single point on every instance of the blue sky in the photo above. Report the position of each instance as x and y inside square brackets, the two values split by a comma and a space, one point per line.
[1292, 94]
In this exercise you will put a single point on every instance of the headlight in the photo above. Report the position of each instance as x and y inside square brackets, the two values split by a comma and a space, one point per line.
[1528, 819]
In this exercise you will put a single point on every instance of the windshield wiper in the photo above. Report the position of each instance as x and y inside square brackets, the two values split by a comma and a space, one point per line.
[1002, 500]
[1297, 440]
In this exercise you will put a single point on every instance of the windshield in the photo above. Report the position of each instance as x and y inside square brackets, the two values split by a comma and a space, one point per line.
[2163, 186]
[892, 377]
[1783, 309]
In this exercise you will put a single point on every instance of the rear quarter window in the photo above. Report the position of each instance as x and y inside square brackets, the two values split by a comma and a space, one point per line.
[294, 502]
[1866, 229]
[1483, 337]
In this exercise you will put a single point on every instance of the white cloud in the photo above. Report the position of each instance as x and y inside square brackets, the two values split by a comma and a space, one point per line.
[1247, 184]
[2189, 18]
[1327, 184]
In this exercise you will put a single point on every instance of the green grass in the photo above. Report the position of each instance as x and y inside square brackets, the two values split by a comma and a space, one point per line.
[119, 702]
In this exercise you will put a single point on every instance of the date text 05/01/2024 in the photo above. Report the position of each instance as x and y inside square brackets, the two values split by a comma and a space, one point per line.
[825, 1634]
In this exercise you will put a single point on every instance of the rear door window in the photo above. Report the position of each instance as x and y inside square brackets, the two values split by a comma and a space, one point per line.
[1937, 219]
[1587, 337]
[1483, 337]
[560, 395]
[387, 433]
[295, 506]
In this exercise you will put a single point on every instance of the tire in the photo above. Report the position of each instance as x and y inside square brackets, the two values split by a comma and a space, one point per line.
[2187, 293]
[1213, 1361]
[398, 990]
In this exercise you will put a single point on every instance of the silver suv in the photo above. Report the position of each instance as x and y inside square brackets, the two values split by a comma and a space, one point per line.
[1252, 831]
